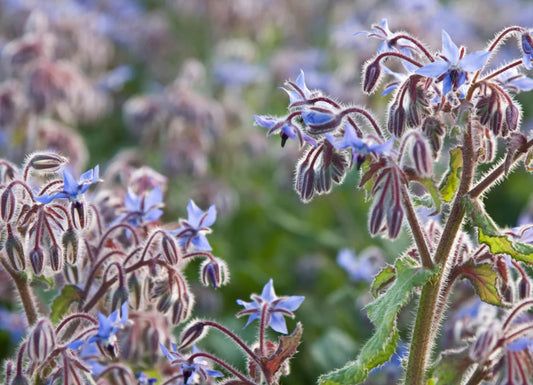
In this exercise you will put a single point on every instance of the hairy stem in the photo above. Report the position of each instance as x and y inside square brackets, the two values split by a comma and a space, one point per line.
[25, 292]
[428, 318]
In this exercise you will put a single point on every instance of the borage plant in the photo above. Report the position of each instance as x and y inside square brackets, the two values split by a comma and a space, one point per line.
[118, 277]
[450, 116]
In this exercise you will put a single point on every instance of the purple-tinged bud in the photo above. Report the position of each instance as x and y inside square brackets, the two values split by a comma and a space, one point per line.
[305, 184]
[181, 308]
[41, 341]
[78, 212]
[524, 288]
[495, 123]
[15, 252]
[72, 274]
[486, 341]
[214, 272]
[7, 171]
[120, 296]
[433, 130]
[7, 205]
[20, 379]
[422, 158]
[192, 334]
[135, 289]
[376, 218]
[394, 221]
[507, 292]
[171, 251]
[37, 260]
[371, 77]
[70, 246]
[164, 303]
[512, 116]
[56, 258]
[48, 162]
[396, 121]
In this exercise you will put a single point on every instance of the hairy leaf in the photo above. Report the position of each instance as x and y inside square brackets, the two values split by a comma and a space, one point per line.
[62, 302]
[382, 312]
[384, 278]
[451, 180]
[286, 349]
[483, 278]
[451, 367]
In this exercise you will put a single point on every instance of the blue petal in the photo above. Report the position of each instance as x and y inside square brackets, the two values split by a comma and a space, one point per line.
[277, 322]
[154, 198]
[449, 49]
[252, 318]
[289, 130]
[300, 82]
[312, 117]
[347, 259]
[526, 60]
[383, 148]
[194, 214]
[124, 313]
[268, 293]
[213, 373]
[433, 70]
[520, 344]
[211, 217]
[474, 61]
[266, 121]
[70, 185]
[446, 84]
[45, 199]
[165, 352]
[132, 202]
[523, 84]
[292, 303]
[389, 89]
[200, 243]
[294, 96]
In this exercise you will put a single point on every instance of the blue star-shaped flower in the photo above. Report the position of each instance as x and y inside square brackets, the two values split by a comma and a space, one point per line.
[286, 129]
[193, 230]
[141, 209]
[109, 326]
[198, 368]
[276, 307]
[72, 189]
[452, 68]
[360, 148]
[299, 91]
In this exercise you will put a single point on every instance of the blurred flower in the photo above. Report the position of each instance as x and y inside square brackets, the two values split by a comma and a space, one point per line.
[142, 209]
[452, 67]
[515, 81]
[527, 50]
[362, 268]
[193, 229]
[72, 189]
[14, 323]
[143, 379]
[276, 308]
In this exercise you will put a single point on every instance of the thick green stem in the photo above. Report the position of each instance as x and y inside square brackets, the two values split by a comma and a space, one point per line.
[428, 318]
[25, 292]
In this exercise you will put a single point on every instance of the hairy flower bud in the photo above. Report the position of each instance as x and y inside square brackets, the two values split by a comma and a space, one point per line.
[422, 158]
[192, 334]
[376, 218]
[78, 212]
[164, 303]
[214, 272]
[70, 246]
[55, 255]
[433, 130]
[396, 121]
[512, 116]
[41, 341]
[48, 162]
[394, 221]
[182, 307]
[37, 260]
[15, 252]
[135, 289]
[524, 288]
[371, 76]
[7, 205]
[171, 251]
[486, 341]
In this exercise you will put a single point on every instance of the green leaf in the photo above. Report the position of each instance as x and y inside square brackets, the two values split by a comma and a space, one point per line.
[383, 279]
[483, 278]
[450, 183]
[382, 312]
[62, 302]
[490, 235]
[450, 368]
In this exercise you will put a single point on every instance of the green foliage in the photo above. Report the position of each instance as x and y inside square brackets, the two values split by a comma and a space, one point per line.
[451, 180]
[383, 279]
[383, 313]
[450, 368]
[62, 302]
[483, 278]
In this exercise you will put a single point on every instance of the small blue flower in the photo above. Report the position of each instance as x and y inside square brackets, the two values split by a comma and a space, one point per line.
[276, 307]
[193, 230]
[362, 268]
[72, 189]
[142, 209]
[515, 81]
[393, 85]
[527, 50]
[143, 379]
[452, 68]
[108, 328]
[360, 148]
[286, 129]
[191, 371]
[299, 92]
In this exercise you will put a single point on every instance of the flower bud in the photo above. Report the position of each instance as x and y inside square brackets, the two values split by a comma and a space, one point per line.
[170, 250]
[48, 162]
[15, 252]
[135, 289]
[37, 260]
[376, 218]
[422, 158]
[192, 334]
[371, 77]
[72, 274]
[181, 308]
[70, 245]
[396, 121]
[394, 221]
[41, 341]
[495, 123]
[214, 272]
[164, 303]
[527, 43]
[7, 205]
[524, 288]
[78, 212]
[56, 258]
[486, 341]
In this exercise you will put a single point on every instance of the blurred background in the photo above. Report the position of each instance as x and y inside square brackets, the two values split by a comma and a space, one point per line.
[174, 85]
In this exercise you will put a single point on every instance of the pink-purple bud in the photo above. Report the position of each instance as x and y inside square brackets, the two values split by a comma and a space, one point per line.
[214, 272]
[70, 246]
[422, 158]
[495, 123]
[396, 121]
[524, 288]
[171, 251]
[7, 205]
[394, 221]
[134, 287]
[37, 260]
[376, 218]
[192, 334]
[371, 77]
[512, 116]
[41, 341]
[46, 161]
[164, 303]
[485, 342]
[78, 212]
[15, 252]
[56, 258]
